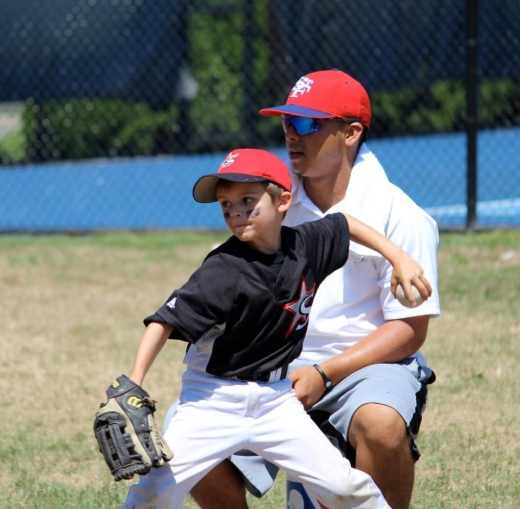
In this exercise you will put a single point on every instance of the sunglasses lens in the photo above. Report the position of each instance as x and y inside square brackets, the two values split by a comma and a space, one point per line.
[302, 125]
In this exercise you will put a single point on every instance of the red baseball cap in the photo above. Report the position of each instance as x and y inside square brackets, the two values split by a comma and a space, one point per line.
[326, 94]
[244, 165]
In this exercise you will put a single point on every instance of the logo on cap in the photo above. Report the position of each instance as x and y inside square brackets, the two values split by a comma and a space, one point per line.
[302, 86]
[230, 159]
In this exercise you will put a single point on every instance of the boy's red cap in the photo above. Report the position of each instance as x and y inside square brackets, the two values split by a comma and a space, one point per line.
[326, 94]
[244, 165]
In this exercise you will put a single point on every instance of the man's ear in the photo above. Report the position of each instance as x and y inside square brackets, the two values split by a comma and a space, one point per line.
[353, 133]
[285, 201]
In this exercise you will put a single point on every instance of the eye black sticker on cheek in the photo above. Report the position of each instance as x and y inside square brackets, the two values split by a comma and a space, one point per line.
[254, 212]
[226, 215]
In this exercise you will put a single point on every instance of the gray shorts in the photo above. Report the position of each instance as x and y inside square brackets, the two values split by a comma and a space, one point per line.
[401, 386]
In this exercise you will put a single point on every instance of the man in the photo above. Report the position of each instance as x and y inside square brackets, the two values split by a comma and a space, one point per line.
[364, 341]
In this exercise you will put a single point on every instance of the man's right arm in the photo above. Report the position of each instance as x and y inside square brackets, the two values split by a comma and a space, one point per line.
[393, 341]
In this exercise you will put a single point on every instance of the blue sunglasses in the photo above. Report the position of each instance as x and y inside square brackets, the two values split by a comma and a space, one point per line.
[307, 125]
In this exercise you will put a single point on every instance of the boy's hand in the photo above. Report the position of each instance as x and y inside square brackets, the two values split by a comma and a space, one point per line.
[407, 273]
[126, 432]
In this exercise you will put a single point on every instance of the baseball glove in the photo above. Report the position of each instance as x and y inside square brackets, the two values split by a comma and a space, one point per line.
[126, 432]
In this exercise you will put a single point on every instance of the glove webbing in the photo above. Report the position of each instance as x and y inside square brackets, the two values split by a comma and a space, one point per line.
[116, 446]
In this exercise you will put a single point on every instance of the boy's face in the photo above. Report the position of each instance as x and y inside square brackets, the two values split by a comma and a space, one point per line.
[250, 213]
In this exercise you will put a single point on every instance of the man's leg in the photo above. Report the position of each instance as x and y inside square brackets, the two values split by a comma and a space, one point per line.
[383, 450]
[222, 488]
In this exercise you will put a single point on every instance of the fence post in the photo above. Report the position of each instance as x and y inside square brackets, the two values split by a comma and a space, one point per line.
[249, 84]
[471, 111]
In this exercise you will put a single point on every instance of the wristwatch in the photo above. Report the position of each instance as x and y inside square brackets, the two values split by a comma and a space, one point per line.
[326, 380]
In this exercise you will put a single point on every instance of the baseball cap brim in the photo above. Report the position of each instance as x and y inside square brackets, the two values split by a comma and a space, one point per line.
[292, 109]
[204, 190]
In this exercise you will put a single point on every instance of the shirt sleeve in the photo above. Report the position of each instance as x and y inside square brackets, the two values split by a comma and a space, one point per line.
[417, 234]
[326, 243]
[202, 302]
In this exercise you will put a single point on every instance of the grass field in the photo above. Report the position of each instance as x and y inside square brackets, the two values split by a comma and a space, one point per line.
[71, 311]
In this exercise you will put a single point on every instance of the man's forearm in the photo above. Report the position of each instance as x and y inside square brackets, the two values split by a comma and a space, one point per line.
[392, 342]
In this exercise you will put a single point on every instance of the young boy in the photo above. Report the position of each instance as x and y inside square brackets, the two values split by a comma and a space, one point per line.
[244, 313]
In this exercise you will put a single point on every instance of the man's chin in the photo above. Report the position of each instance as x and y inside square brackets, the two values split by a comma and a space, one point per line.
[298, 169]
[297, 166]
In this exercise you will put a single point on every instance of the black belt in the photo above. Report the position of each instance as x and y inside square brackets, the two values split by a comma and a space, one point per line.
[267, 376]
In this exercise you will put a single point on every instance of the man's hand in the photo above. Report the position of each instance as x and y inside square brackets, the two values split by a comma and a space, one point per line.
[308, 385]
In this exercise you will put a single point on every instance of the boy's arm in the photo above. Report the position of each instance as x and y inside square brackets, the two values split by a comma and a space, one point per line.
[406, 271]
[124, 426]
[152, 342]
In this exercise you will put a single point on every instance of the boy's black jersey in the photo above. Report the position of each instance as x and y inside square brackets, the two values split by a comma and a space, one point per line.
[241, 317]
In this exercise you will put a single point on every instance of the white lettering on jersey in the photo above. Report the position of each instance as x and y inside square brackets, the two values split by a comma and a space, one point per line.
[300, 308]
[302, 86]
[171, 304]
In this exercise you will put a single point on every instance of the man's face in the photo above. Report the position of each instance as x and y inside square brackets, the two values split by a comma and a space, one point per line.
[319, 153]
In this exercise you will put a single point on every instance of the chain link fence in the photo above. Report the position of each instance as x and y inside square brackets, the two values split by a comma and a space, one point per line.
[111, 109]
